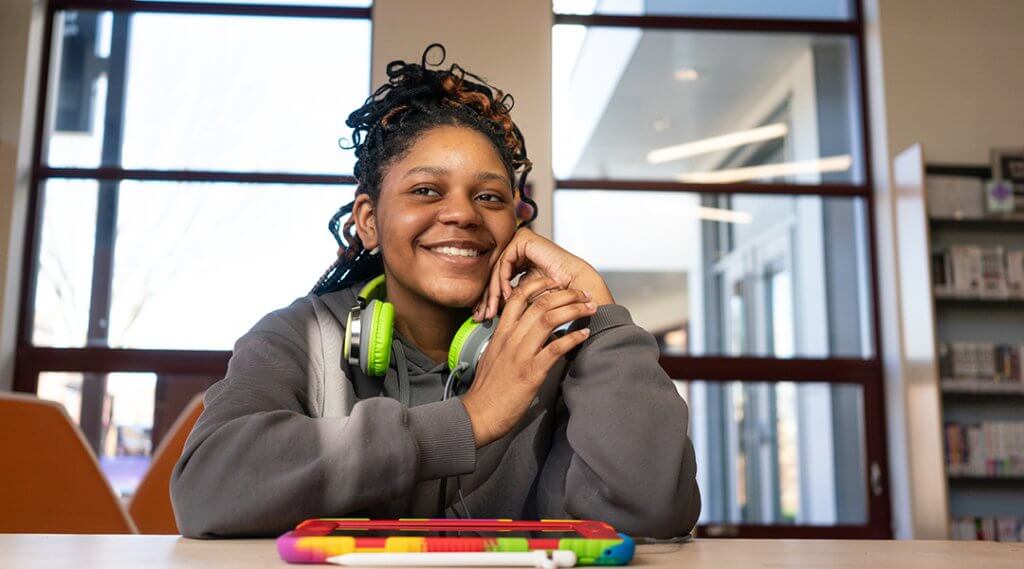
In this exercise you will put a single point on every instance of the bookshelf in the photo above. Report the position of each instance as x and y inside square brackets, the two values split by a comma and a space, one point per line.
[979, 302]
[960, 386]
[986, 480]
[970, 349]
[987, 224]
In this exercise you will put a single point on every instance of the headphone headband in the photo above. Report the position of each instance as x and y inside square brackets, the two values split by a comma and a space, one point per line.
[376, 289]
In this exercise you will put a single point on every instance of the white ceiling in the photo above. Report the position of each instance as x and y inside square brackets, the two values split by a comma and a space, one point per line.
[735, 70]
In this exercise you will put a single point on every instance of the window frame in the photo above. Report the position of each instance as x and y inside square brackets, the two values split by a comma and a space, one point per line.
[864, 372]
[97, 361]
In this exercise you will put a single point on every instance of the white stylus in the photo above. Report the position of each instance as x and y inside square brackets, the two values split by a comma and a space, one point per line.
[537, 558]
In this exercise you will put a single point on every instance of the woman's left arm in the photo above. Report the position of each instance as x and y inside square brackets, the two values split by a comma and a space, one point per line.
[621, 452]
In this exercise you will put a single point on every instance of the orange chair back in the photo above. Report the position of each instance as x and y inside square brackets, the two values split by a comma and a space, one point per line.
[50, 481]
[151, 504]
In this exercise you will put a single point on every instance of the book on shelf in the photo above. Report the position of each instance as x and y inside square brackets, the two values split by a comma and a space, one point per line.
[972, 271]
[942, 273]
[982, 362]
[987, 528]
[966, 269]
[993, 271]
[988, 449]
[1015, 273]
[1006, 363]
[955, 197]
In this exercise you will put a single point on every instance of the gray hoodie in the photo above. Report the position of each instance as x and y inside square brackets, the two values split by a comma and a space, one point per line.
[294, 432]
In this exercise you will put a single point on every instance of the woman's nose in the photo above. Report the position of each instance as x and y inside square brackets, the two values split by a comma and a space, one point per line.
[460, 210]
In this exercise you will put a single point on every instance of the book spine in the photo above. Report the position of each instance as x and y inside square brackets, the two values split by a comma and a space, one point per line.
[945, 361]
[1015, 273]
[976, 441]
[993, 272]
[986, 361]
[974, 270]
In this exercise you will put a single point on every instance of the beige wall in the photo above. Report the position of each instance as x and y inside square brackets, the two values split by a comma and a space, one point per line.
[953, 79]
[940, 74]
[507, 43]
[17, 19]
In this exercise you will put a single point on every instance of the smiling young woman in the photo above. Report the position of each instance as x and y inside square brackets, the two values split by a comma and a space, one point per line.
[316, 418]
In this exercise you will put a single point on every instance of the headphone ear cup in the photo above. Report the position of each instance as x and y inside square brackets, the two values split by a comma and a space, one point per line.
[378, 321]
[469, 344]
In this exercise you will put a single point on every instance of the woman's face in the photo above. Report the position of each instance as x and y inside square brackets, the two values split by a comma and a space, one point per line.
[446, 211]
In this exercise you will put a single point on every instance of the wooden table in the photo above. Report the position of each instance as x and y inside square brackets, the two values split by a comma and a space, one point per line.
[158, 552]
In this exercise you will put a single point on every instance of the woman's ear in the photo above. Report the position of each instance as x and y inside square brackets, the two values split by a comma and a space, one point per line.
[365, 215]
[523, 210]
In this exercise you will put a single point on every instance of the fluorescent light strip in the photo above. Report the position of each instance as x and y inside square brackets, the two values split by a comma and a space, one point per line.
[726, 215]
[703, 146]
[686, 75]
[830, 164]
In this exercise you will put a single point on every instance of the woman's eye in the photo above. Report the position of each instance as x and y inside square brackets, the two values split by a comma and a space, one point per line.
[421, 191]
[493, 197]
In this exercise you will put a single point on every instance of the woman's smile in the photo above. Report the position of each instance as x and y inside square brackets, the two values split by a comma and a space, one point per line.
[458, 257]
[459, 253]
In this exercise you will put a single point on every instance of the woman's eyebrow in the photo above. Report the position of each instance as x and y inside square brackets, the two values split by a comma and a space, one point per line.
[482, 176]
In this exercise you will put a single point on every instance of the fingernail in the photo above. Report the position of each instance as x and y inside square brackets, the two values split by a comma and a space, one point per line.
[591, 305]
[585, 331]
[586, 294]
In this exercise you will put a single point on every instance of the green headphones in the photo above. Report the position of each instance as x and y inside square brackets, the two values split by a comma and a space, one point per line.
[370, 330]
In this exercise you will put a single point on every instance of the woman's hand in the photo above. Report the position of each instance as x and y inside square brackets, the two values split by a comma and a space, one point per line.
[517, 360]
[540, 258]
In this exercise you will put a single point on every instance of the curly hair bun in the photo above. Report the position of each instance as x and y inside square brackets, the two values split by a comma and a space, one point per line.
[414, 93]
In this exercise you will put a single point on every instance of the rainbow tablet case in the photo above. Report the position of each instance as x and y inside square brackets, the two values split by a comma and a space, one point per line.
[313, 541]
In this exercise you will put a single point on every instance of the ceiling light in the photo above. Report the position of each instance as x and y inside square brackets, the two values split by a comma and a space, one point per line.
[686, 75]
[726, 215]
[733, 139]
[830, 164]
[715, 214]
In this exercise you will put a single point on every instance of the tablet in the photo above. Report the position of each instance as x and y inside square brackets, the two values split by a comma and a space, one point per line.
[313, 541]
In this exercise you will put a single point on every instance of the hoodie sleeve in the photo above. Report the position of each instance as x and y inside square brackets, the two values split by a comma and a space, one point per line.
[260, 459]
[621, 451]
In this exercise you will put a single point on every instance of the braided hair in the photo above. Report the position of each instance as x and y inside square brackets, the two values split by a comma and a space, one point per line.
[414, 100]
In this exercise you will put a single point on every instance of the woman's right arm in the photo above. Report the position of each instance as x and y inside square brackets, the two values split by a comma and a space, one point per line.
[257, 462]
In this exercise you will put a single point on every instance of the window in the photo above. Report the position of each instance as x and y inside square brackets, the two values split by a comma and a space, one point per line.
[705, 106]
[187, 165]
[711, 162]
[779, 453]
[725, 271]
[203, 257]
[809, 9]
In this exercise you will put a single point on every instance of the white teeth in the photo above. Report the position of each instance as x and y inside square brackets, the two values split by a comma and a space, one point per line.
[455, 251]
